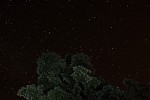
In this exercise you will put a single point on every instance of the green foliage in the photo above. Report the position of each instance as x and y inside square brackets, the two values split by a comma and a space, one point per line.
[31, 92]
[72, 79]
[82, 60]
[136, 91]
[49, 67]
[58, 94]
[80, 74]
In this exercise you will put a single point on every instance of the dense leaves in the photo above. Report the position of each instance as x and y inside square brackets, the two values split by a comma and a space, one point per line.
[72, 79]
[31, 92]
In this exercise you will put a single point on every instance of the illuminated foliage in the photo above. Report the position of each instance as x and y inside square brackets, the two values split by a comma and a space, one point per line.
[72, 79]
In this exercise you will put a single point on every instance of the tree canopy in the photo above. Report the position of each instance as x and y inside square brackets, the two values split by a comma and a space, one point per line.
[72, 78]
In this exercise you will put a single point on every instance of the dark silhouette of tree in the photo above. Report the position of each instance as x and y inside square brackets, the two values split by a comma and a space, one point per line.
[72, 78]
[136, 91]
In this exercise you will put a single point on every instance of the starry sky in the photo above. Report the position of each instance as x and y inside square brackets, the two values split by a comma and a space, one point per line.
[114, 34]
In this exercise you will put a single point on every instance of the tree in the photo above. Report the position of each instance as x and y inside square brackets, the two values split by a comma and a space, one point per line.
[136, 91]
[72, 79]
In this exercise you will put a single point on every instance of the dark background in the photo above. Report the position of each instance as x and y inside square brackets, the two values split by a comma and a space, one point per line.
[115, 34]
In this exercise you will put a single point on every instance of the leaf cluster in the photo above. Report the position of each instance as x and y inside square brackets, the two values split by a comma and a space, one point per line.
[72, 78]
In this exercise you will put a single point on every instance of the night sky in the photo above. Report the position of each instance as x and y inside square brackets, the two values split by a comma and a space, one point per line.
[115, 34]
